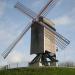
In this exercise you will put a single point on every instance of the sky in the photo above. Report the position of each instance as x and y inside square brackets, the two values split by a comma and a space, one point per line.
[12, 22]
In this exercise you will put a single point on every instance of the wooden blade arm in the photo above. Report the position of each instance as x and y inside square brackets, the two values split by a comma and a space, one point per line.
[47, 7]
[25, 10]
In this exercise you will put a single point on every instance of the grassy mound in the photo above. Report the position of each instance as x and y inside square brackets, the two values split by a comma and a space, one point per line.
[39, 71]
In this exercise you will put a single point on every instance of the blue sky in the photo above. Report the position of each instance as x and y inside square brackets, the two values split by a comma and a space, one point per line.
[13, 21]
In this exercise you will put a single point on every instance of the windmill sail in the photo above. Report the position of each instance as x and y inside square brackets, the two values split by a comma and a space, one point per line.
[25, 10]
[13, 44]
[43, 12]
[50, 4]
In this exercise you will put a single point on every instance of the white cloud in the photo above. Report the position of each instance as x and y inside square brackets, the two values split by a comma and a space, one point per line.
[66, 19]
[72, 13]
[63, 20]
[2, 7]
[59, 2]
[4, 35]
[15, 57]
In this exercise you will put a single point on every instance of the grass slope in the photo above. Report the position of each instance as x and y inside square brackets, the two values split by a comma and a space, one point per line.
[39, 71]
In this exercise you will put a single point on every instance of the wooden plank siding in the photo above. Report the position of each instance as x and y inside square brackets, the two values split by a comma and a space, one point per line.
[49, 41]
[37, 38]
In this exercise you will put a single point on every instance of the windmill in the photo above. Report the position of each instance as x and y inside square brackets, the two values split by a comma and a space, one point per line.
[44, 38]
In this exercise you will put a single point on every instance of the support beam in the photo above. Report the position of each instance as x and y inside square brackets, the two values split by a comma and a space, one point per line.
[41, 60]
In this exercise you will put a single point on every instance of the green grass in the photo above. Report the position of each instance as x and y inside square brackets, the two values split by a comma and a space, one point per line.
[39, 71]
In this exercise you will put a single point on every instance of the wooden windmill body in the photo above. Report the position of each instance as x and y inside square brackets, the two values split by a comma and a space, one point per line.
[42, 39]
